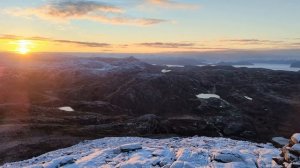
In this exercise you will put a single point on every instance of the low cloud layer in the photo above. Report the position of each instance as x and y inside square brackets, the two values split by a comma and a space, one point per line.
[79, 43]
[65, 10]
[252, 41]
[185, 46]
[229, 44]
[167, 45]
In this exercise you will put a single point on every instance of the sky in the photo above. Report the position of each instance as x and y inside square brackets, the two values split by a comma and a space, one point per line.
[148, 26]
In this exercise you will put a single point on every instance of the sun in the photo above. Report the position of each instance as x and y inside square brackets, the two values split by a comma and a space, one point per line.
[23, 46]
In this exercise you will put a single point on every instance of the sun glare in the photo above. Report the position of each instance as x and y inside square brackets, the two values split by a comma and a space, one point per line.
[23, 46]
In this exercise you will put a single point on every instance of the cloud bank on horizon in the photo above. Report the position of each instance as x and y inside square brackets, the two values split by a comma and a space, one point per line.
[150, 25]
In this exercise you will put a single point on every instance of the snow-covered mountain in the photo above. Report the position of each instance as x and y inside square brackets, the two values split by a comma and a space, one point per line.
[133, 152]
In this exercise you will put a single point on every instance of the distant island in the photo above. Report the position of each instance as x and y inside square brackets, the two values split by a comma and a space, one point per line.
[236, 63]
[295, 64]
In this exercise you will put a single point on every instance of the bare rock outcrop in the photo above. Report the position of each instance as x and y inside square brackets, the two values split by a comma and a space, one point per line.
[290, 153]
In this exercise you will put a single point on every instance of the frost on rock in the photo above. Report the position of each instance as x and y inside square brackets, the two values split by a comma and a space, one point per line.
[62, 161]
[227, 156]
[182, 164]
[207, 96]
[66, 108]
[133, 152]
[265, 157]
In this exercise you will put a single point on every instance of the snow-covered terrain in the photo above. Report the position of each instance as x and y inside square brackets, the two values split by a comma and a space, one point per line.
[132, 152]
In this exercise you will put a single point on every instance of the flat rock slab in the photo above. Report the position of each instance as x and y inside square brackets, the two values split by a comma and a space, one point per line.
[280, 141]
[296, 148]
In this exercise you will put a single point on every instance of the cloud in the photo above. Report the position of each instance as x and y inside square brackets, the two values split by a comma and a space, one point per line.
[295, 44]
[183, 46]
[166, 45]
[252, 41]
[68, 8]
[262, 43]
[125, 20]
[79, 43]
[65, 10]
[88, 44]
[173, 4]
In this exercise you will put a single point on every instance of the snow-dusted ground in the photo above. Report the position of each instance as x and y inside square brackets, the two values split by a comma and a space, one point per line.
[131, 152]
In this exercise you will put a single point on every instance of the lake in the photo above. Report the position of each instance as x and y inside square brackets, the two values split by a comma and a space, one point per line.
[284, 67]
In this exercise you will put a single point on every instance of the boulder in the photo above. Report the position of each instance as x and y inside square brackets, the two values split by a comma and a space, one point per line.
[279, 141]
[289, 157]
[295, 165]
[279, 160]
[296, 149]
[296, 138]
[130, 147]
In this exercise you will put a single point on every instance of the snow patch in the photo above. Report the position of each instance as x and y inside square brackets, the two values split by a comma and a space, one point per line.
[66, 108]
[249, 98]
[175, 66]
[207, 96]
[165, 70]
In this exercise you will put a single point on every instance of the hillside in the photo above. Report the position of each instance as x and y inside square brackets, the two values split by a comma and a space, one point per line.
[49, 104]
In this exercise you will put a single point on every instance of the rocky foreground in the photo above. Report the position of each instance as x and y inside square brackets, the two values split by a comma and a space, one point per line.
[130, 152]
[52, 103]
[290, 151]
